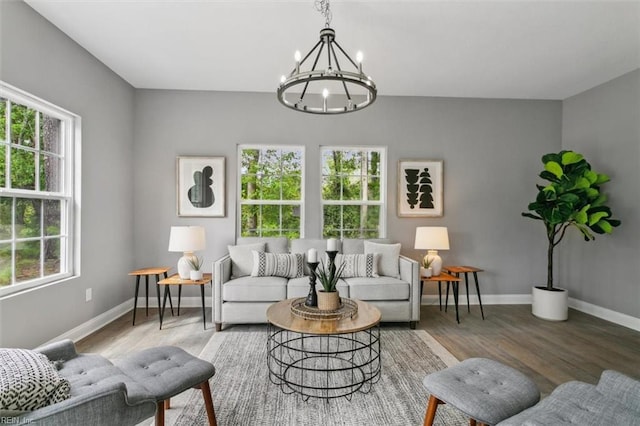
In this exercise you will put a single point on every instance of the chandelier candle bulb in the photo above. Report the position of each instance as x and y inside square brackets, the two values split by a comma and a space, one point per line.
[297, 57]
[359, 59]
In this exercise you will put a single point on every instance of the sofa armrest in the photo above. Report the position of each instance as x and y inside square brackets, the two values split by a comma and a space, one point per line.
[63, 350]
[221, 274]
[410, 272]
[108, 405]
[621, 388]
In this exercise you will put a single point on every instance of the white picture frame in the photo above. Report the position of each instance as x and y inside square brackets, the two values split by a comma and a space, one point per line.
[200, 186]
[420, 188]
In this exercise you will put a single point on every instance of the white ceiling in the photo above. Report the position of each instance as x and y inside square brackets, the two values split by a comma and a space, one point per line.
[488, 49]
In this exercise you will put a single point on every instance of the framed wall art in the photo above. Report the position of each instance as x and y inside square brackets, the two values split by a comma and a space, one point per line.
[420, 188]
[201, 186]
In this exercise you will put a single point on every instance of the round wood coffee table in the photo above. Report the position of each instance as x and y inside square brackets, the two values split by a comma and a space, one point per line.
[323, 358]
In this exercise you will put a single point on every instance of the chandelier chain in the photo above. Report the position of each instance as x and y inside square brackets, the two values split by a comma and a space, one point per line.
[324, 8]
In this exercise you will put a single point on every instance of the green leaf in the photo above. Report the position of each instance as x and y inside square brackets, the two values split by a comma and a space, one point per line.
[605, 226]
[602, 198]
[531, 216]
[582, 183]
[614, 222]
[581, 216]
[595, 218]
[554, 168]
[549, 176]
[569, 197]
[552, 157]
[549, 188]
[591, 176]
[570, 157]
[602, 178]
[592, 193]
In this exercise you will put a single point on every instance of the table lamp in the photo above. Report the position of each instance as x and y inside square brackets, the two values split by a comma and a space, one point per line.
[432, 239]
[186, 239]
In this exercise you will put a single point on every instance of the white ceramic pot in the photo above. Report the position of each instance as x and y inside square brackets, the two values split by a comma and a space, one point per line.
[552, 305]
[195, 275]
[426, 272]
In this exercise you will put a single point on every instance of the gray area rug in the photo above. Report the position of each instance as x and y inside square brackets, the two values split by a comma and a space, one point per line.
[243, 394]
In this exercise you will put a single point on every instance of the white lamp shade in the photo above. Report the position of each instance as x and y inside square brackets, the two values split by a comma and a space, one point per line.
[186, 238]
[432, 238]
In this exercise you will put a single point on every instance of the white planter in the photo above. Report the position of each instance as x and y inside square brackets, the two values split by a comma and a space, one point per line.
[195, 275]
[550, 305]
[426, 272]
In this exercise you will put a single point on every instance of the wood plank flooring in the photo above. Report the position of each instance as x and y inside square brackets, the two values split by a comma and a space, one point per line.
[548, 352]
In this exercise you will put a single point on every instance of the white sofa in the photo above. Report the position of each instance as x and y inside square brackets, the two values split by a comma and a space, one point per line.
[240, 299]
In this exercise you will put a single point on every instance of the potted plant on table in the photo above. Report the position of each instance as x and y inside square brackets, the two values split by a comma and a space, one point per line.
[572, 198]
[426, 270]
[196, 265]
[329, 298]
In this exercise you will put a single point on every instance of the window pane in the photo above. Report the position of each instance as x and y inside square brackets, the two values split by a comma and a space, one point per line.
[373, 189]
[23, 125]
[351, 188]
[3, 120]
[331, 188]
[291, 187]
[374, 163]
[249, 216]
[291, 221]
[5, 218]
[351, 217]
[331, 221]
[49, 134]
[5, 264]
[23, 169]
[270, 186]
[291, 162]
[50, 173]
[52, 217]
[27, 260]
[250, 188]
[27, 221]
[372, 224]
[3, 165]
[270, 219]
[51, 256]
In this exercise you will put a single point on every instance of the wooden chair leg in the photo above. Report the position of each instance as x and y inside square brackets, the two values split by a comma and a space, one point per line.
[208, 402]
[167, 403]
[472, 422]
[160, 414]
[431, 410]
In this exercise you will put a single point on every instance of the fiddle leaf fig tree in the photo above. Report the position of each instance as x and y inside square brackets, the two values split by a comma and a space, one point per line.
[571, 198]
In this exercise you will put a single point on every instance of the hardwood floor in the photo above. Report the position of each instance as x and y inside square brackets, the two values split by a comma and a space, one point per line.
[548, 352]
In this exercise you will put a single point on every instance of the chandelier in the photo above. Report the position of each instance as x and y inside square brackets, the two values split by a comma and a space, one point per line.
[325, 87]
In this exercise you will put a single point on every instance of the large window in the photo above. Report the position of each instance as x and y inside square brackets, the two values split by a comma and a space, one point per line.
[353, 192]
[36, 190]
[271, 199]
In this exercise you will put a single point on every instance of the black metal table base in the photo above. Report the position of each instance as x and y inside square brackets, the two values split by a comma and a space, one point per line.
[324, 366]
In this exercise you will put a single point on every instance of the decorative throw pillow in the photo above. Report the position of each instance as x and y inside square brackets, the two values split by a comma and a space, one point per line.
[242, 258]
[28, 381]
[388, 257]
[358, 265]
[287, 265]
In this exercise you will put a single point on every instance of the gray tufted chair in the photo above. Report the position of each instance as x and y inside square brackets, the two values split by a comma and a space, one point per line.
[124, 393]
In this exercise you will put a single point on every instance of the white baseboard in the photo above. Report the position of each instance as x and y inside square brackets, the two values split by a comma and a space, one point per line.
[95, 323]
[525, 299]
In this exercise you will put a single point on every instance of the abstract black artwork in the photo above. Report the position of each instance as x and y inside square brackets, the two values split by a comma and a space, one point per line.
[201, 186]
[419, 188]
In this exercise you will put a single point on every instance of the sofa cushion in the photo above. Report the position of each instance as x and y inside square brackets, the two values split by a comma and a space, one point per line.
[28, 381]
[381, 288]
[287, 265]
[302, 245]
[388, 260]
[299, 287]
[242, 258]
[356, 245]
[358, 265]
[271, 244]
[255, 289]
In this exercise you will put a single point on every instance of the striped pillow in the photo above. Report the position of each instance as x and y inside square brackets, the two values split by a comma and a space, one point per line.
[277, 265]
[358, 265]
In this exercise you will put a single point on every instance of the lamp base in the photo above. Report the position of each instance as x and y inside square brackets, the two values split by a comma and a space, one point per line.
[184, 268]
[436, 261]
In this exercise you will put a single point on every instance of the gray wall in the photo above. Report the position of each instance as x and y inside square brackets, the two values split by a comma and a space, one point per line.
[491, 151]
[38, 58]
[604, 124]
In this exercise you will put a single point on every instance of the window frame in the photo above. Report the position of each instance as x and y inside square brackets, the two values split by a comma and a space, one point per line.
[240, 202]
[68, 192]
[382, 221]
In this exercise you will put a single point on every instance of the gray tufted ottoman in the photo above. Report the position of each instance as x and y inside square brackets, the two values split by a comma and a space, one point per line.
[485, 390]
[167, 371]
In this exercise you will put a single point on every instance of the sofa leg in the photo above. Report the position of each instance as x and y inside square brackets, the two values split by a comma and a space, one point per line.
[412, 324]
[218, 326]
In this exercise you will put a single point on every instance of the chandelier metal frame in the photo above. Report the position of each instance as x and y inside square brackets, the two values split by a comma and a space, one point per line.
[350, 79]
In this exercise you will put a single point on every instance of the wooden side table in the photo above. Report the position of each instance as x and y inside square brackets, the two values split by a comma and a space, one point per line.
[146, 272]
[176, 280]
[457, 270]
[449, 279]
